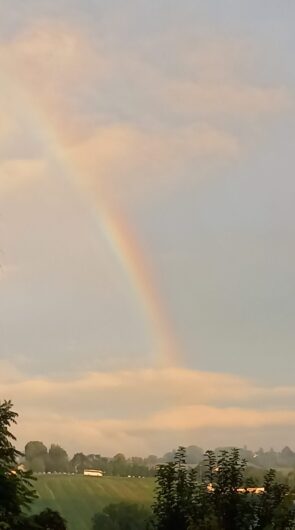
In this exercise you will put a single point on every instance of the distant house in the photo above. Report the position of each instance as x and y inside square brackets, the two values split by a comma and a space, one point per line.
[20, 467]
[255, 491]
[93, 473]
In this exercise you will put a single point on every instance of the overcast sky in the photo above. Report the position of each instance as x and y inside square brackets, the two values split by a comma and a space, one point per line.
[180, 116]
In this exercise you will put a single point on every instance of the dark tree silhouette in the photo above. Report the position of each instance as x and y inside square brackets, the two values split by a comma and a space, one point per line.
[122, 516]
[218, 498]
[49, 520]
[16, 485]
[16, 488]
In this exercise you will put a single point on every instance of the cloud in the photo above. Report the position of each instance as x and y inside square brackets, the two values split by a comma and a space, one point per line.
[235, 99]
[126, 410]
[7, 270]
[196, 417]
[48, 68]
[123, 117]
[16, 174]
[126, 154]
[217, 76]
[47, 58]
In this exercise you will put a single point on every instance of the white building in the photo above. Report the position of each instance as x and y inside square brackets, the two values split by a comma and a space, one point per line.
[93, 473]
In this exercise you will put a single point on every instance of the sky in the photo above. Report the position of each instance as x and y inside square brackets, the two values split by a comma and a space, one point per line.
[147, 222]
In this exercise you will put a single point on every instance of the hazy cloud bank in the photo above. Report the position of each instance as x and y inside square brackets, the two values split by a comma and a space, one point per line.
[141, 410]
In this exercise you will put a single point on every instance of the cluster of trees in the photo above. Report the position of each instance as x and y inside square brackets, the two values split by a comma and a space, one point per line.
[55, 459]
[123, 516]
[218, 496]
[39, 459]
[260, 458]
[17, 491]
[271, 458]
[118, 465]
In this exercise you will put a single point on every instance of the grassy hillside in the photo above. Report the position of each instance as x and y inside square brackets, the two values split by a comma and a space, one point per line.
[77, 498]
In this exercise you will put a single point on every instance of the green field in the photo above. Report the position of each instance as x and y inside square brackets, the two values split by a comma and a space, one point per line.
[77, 498]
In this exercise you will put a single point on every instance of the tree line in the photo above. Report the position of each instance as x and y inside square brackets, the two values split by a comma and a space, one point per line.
[260, 458]
[39, 459]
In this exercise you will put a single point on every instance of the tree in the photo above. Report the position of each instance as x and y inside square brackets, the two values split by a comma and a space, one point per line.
[122, 516]
[97, 462]
[194, 454]
[171, 507]
[79, 462]
[219, 498]
[36, 456]
[49, 520]
[58, 459]
[151, 460]
[16, 489]
[119, 465]
[225, 477]
[275, 509]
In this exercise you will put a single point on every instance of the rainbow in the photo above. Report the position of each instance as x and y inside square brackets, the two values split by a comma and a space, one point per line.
[115, 226]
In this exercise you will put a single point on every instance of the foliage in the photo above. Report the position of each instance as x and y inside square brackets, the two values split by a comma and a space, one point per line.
[57, 459]
[173, 492]
[16, 490]
[40, 460]
[49, 520]
[225, 475]
[218, 496]
[275, 510]
[36, 455]
[122, 516]
[119, 465]
[80, 462]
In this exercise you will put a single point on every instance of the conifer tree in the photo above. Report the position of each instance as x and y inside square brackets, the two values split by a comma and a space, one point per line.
[16, 489]
[16, 485]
